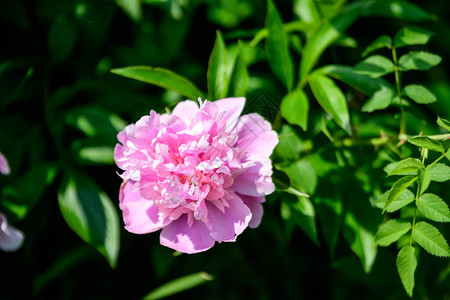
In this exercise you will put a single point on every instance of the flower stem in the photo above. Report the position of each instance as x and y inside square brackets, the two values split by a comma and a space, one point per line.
[399, 90]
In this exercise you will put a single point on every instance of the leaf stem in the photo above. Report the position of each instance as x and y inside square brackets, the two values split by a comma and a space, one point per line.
[399, 90]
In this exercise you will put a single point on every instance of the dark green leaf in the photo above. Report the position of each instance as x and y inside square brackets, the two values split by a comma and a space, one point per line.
[427, 236]
[443, 123]
[289, 145]
[277, 47]
[61, 38]
[295, 108]
[398, 188]
[162, 78]
[418, 60]
[411, 36]
[433, 207]
[304, 215]
[403, 199]
[281, 180]
[383, 41]
[440, 172]
[406, 165]
[331, 98]
[324, 35]
[406, 266]
[329, 212]
[426, 142]
[218, 79]
[391, 231]
[179, 285]
[239, 77]
[397, 9]
[90, 213]
[419, 94]
[375, 66]
[302, 175]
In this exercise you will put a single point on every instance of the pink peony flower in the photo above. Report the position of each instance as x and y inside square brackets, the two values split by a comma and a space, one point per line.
[11, 238]
[199, 174]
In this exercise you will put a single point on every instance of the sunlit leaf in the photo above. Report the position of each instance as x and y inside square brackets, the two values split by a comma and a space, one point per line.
[398, 188]
[403, 199]
[331, 98]
[426, 142]
[218, 79]
[381, 99]
[391, 231]
[302, 175]
[406, 266]
[424, 179]
[418, 60]
[383, 41]
[433, 207]
[132, 8]
[375, 66]
[178, 285]
[440, 172]
[90, 213]
[429, 237]
[397, 9]
[239, 78]
[443, 123]
[295, 108]
[306, 10]
[411, 35]
[162, 78]
[419, 94]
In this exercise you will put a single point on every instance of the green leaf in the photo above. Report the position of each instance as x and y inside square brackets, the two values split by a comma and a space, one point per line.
[403, 199]
[324, 35]
[329, 212]
[61, 39]
[427, 236]
[289, 145]
[411, 35]
[418, 60]
[277, 47]
[433, 207]
[406, 266]
[381, 99]
[179, 285]
[420, 94]
[440, 172]
[406, 165]
[239, 77]
[304, 215]
[162, 78]
[218, 79]
[375, 66]
[302, 175]
[391, 231]
[281, 180]
[424, 179]
[93, 151]
[397, 9]
[90, 213]
[383, 41]
[443, 123]
[398, 188]
[295, 108]
[331, 98]
[361, 241]
[132, 8]
[426, 142]
[306, 10]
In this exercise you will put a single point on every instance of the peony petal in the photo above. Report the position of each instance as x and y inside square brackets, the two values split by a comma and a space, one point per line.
[184, 238]
[11, 238]
[226, 226]
[255, 181]
[232, 107]
[254, 204]
[255, 135]
[139, 214]
[4, 167]
[185, 110]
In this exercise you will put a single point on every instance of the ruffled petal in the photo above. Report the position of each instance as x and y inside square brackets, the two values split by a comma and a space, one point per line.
[255, 135]
[11, 238]
[184, 238]
[139, 214]
[4, 166]
[185, 110]
[254, 204]
[227, 225]
[231, 109]
[255, 181]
